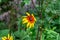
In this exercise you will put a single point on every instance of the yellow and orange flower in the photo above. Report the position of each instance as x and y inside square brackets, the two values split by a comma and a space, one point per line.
[7, 38]
[29, 19]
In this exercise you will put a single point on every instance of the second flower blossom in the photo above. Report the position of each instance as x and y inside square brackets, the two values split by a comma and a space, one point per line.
[29, 19]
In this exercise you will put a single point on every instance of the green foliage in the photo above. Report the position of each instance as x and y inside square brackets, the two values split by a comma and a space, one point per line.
[2, 24]
[0, 0]
[27, 2]
[4, 32]
[47, 14]
[51, 35]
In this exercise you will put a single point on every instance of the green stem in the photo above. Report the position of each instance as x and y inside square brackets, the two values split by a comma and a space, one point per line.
[41, 10]
[40, 33]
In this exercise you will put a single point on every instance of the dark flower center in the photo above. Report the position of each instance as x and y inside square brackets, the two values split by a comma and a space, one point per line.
[7, 39]
[30, 19]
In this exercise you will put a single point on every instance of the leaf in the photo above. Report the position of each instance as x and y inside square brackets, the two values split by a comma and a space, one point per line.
[22, 4]
[0, 0]
[4, 32]
[27, 2]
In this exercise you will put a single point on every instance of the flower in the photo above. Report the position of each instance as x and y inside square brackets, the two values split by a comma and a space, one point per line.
[29, 19]
[7, 38]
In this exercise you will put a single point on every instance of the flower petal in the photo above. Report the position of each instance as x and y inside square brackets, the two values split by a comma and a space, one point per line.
[28, 25]
[33, 25]
[4, 38]
[34, 17]
[8, 36]
[25, 21]
[27, 14]
[11, 38]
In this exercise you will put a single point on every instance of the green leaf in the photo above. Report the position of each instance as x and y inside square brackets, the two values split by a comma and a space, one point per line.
[0, 0]
[27, 2]
[4, 32]
[22, 4]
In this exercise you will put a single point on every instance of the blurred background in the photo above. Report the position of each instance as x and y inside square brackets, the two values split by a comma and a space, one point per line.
[47, 13]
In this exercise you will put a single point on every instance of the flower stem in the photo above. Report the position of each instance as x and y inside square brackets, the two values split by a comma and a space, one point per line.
[41, 17]
[40, 33]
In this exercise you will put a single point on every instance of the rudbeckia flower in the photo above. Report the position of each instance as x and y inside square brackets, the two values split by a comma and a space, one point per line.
[29, 19]
[7, 38]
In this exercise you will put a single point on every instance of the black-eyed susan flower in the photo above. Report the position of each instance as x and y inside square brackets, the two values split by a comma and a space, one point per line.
[29, 19]
[7, 38]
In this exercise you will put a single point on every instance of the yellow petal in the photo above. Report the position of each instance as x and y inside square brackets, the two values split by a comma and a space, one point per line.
[4, 38]
[34, 17]
[8, 36]
[27, 13]
[11, 38]
[33, 25]
[28, 25]
[25, 21]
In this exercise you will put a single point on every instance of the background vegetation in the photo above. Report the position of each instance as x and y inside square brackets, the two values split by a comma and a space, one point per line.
[47, 13]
